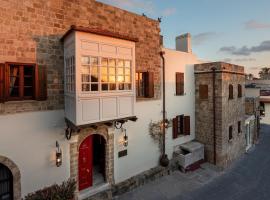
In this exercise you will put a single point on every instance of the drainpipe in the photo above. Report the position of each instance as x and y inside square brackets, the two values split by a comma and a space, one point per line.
[164, 161]
[214, 113]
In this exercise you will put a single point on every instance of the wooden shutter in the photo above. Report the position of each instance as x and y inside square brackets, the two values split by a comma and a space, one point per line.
[179, 83]
[230, 91]
[203, 91]
[187, 125]
[149, 84]
[2, 82]
[41, 83]
[175, 128]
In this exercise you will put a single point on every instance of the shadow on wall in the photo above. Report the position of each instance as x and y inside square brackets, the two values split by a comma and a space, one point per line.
[50, 58]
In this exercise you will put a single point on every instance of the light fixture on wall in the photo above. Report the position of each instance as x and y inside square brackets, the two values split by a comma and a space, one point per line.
[125, 138]
[58, 155]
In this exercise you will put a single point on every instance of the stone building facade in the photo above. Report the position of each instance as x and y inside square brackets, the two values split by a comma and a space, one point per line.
[30, 32]
[225, 141]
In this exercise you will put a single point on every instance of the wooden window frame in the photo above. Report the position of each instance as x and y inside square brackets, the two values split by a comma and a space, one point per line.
[39, 84]
[21, 86]
[147, 84]
[179, 83]
[203, 92]
[181, 126]
[230, 91]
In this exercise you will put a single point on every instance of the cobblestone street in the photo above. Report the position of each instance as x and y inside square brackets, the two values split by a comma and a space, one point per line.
[248, 178]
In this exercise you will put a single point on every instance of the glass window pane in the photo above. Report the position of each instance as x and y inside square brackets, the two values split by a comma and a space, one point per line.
[85, 78]
[112, 71]
[127, 71]
[127, 86]
[104, 62]
[94, 87]
[120, 63]
[111, 79]
[28, 91]
[94, 70]
[85, 70]
[121, 86]
[104, 70]
[127, 63]
[28, 71]
[28, 81]
[104, 78]
[120, 71]
[85, 87]
[14, 81]
[112, 62]
[94, 61]
[120, 79]
[14, 92]
[85, 60]
[112, 86]
[104, 87]
[127, 79]
[94, 78]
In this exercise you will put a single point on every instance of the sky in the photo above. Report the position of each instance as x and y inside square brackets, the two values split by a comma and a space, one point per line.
[234, 31]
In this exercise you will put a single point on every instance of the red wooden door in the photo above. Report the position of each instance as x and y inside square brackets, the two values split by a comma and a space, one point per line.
[86, 163]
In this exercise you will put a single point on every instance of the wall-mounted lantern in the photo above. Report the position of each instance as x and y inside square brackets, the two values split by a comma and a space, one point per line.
[125, 138]
[58, 155]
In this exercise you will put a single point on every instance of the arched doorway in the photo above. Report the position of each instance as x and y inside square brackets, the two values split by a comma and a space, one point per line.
[6, 183]
[92, 157]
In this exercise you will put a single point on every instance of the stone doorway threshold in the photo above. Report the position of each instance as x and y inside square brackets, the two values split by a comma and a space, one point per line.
[88, 192]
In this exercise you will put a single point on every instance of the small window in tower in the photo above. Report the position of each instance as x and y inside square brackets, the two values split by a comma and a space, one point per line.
[239, 91]
[239, 127]
[230, 133]
[230, 91]
[203, 92]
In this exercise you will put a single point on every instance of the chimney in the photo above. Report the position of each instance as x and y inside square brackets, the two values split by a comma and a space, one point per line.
[183, 43]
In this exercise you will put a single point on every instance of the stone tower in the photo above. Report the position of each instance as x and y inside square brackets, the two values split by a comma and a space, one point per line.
[220, 111]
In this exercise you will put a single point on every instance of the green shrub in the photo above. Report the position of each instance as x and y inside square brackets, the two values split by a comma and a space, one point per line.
[65, 191]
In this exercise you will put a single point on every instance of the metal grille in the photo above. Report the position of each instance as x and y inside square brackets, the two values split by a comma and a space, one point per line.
[6, 183]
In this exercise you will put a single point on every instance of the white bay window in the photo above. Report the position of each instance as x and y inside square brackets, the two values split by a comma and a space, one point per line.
[105, 74]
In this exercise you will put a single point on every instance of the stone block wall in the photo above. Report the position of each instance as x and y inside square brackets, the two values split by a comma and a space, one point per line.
[228, 112]
[30, 32]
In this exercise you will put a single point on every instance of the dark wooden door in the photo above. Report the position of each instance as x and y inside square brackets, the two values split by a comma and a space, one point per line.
[6, 183]
[86, 163]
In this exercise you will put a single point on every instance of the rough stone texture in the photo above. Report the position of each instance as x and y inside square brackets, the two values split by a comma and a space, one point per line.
[228, 112]
[16, 176]
[252, 107]
[109, 157]
[30, 31]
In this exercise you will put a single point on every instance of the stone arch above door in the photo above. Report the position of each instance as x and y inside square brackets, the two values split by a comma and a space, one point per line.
[16, 176]
[74, 152]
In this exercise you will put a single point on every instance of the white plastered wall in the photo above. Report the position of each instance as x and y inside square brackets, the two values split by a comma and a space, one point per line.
[28, 139]
[143, 152]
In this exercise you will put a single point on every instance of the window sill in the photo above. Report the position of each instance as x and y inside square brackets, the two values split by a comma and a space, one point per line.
[140, 99]
[230, 141]
[20, 101]
[180, 95]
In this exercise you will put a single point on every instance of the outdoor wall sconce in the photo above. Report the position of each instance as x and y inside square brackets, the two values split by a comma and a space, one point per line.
[58, 155]
[125, 141]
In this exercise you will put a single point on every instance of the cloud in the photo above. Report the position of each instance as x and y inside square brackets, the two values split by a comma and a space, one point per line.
[203, 37]
[168, 12]
[229, 60]
[245, 59]
[253, 24]
[146, 6]
[246, 51]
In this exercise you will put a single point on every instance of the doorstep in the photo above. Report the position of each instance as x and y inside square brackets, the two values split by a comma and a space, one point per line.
[88, 192]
